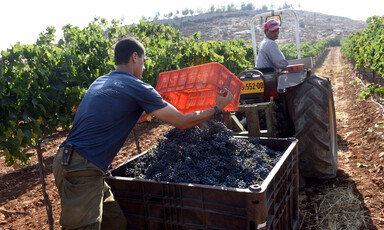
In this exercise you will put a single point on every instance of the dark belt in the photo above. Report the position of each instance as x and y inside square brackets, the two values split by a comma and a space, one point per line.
[75, 154]
[77, 173]
[67, 153]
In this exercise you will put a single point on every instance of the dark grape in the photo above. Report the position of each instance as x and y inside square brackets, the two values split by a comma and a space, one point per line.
[211, 156]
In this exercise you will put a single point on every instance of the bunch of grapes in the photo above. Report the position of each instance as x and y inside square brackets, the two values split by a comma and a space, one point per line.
[209, 156]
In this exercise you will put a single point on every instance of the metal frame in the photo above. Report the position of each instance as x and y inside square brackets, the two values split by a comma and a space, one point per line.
[253, 121]
[273, 13]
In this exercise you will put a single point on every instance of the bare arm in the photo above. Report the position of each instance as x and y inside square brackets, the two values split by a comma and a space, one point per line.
[172, 116]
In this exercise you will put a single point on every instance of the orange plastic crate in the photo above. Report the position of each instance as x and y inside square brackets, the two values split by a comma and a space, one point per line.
[195, 88]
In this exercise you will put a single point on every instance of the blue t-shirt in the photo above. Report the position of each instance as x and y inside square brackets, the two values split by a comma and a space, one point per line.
[107, 114]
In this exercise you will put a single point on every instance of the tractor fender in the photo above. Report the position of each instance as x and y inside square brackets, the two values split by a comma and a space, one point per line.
[290, 79]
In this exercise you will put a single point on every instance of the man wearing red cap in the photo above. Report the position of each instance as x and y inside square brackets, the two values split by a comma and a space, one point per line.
[269, 55]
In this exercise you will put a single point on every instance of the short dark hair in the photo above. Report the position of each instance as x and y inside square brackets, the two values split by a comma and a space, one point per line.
[125, 48]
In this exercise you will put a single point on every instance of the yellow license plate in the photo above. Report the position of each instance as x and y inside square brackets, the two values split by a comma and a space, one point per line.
[253, 86]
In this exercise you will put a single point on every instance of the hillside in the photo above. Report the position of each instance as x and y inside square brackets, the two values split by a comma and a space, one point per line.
[231, 25]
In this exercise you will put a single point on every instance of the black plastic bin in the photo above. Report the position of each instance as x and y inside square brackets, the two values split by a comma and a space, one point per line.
[148, 204]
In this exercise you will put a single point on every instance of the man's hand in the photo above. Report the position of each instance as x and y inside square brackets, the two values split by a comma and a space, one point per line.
[223, 101]
[172, 116]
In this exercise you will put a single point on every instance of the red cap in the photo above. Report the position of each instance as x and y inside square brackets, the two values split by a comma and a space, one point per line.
[272, 25]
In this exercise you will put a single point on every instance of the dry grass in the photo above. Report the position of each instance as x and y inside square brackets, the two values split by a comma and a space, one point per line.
[339, 208]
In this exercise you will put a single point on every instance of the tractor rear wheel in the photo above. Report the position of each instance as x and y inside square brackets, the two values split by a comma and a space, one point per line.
[315, 128]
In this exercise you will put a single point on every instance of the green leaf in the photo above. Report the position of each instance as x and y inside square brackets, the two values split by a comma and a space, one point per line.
[35, 101]
[361, 165]
[20, 135]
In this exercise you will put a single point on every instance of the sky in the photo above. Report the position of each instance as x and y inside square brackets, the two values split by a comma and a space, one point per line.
[23, 20]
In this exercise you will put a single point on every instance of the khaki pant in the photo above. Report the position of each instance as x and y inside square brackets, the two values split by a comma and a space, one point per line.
[86, 200]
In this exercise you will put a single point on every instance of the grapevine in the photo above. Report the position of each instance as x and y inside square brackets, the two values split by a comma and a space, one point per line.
[308, 49]
[365, 48]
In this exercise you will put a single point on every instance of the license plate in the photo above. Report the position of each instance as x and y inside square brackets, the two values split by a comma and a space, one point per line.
[253, 86]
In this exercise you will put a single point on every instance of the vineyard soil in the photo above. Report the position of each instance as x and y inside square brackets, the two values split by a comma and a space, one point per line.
[361, 158]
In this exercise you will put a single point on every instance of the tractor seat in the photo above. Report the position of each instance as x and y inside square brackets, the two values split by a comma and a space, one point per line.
[266, 70]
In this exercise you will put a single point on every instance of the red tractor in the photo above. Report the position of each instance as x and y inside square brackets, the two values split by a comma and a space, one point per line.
[292, 103]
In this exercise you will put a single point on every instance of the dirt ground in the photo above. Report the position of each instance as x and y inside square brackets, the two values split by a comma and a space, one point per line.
[360, 127]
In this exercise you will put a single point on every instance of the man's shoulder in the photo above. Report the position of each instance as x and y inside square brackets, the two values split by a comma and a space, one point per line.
[267, 44]
[269, 41]
[125, 78]
[117, 73]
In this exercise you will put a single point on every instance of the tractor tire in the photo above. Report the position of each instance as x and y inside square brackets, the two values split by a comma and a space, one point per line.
[315, 128]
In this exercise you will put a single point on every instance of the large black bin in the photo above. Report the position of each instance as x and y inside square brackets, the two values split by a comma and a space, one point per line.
[148, 204]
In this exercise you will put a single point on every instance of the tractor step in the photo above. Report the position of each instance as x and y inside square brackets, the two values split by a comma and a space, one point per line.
[253, 121]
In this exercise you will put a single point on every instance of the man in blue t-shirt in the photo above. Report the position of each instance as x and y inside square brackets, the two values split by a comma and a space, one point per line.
[105, 117]
[269, 55]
